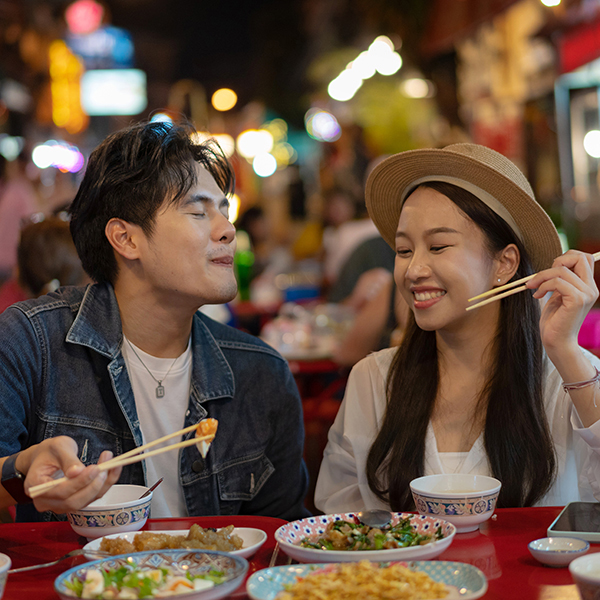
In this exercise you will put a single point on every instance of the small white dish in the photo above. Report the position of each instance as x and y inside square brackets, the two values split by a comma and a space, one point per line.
[253, 540]
[557, 551]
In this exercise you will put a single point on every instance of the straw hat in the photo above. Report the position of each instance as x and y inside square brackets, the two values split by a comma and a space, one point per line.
[490, 176]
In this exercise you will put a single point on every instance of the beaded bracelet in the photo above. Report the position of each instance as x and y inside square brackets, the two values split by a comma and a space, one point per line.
[582, 384]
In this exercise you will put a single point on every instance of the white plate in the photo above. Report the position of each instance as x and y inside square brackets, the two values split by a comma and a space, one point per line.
[464, 581]
[290, 535]
[253, 540]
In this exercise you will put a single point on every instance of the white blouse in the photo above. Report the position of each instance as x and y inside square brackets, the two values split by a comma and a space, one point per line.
[342, 484]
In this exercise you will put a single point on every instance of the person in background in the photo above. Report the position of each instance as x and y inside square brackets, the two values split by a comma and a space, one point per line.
[91, 372]
[46, 260]
[502, 390]
[17, 202]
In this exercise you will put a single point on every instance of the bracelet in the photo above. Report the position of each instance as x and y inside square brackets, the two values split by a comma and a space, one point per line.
[582, 384]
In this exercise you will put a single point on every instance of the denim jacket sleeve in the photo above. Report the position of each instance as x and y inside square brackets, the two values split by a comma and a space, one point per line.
[21, 372]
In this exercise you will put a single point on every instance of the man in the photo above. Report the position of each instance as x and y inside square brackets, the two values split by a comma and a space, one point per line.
[129, 359]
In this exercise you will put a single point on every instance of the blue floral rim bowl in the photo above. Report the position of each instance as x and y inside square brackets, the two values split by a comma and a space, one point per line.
[557, 551]
[196, 562]
[120, 510]
[464, 500]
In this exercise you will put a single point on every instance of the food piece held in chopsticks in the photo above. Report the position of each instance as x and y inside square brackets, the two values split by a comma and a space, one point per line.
[206, 427]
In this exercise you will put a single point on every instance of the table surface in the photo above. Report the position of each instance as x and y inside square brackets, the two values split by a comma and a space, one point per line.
[499, 549]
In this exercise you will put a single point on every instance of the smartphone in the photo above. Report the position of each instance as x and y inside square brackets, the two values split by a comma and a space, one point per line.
[578, 520]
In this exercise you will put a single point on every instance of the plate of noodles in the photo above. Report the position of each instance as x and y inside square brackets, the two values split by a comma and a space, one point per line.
[355, 581]
[241, 541]
[341, 537]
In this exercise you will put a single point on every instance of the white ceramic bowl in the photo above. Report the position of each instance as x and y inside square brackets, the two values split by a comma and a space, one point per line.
[557, 551]
[466, 501]
[118, 511]
[4, 567]
[585, 571]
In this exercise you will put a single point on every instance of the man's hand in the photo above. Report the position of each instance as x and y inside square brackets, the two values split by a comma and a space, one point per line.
[83, 485]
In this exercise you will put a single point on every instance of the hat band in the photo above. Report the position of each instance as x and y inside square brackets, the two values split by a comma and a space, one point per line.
[484, 196]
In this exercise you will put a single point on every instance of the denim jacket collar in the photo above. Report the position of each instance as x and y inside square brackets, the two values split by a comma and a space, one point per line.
[98, 326]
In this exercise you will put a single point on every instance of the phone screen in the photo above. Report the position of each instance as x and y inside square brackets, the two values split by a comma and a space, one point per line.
[578, 517]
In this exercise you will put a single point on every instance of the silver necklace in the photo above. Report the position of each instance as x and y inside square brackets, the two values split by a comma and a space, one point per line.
[160, 390]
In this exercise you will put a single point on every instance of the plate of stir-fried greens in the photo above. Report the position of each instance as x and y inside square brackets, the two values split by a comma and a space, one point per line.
[343, 538]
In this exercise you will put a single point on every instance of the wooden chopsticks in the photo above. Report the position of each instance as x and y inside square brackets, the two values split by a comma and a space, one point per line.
[136, 455]
[499, 292]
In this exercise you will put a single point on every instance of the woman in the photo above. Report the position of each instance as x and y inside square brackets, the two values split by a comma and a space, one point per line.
[481, 391]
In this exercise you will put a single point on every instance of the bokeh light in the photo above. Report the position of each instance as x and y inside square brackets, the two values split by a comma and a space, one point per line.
[322, 125]
[226, 142]
[161, 117]
[84, 16]
[264, 164]
[591, 143]
[363, 65]
[344, 86]
[61, 155]
[252, 142]
[224, 99]
[11, 146]
[417, 87]
[550, 2]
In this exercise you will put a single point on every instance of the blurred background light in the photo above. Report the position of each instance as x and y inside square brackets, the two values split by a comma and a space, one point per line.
[363, 65]
[416, 87]
[388, 64]
[252, 142]
[550, 2]
[226, 142]
[11, 146]
[61, 155]
[322, 125]
[591, 143]
[344, 86]
[224, 99]
[113, 92]
[84, 16]
[264, 164]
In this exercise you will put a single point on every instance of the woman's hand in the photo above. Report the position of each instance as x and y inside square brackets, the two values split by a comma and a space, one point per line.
[571, 282]
[83, 485]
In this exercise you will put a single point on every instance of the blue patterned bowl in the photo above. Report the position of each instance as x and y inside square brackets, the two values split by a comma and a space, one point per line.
[196, 562]
[118, 511]
[466, 501]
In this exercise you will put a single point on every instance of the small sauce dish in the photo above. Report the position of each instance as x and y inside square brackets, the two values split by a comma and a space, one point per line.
[557, 551]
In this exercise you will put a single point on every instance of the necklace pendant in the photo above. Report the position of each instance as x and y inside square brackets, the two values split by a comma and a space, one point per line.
[160, 391]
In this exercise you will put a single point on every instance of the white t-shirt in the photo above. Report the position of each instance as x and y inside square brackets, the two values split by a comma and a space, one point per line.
[342, 483]
[159, 417]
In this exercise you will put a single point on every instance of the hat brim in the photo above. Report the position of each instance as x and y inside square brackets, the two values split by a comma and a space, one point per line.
[393, 178]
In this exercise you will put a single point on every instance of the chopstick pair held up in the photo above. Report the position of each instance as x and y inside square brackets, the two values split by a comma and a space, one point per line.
[499, 292]
[207, 429]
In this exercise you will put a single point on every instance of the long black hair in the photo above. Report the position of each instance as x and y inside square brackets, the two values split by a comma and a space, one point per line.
[516, 433]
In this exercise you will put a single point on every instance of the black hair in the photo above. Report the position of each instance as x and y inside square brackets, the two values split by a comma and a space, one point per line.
[129, 176]
[517, 437]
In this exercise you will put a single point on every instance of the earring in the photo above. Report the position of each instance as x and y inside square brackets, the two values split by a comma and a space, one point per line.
[499, 280]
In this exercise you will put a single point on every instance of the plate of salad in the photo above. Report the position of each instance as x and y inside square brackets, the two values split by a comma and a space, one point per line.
[341, 537]
[189, 574]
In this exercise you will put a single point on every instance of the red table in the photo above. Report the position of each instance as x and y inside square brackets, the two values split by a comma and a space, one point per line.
[499, 550]
[31, 543]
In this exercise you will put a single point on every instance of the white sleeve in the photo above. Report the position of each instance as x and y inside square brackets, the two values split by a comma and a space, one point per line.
[577, 447]
[342, 483]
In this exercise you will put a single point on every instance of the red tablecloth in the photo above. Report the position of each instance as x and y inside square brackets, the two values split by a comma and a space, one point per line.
[499, 549]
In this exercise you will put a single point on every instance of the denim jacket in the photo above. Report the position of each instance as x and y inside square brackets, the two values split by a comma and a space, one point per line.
[62, 373]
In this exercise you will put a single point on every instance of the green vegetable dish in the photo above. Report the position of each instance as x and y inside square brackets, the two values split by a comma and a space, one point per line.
[134, 582]
[348, 535]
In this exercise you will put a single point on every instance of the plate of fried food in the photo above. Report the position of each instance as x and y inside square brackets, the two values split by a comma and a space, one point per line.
[355, 581]
[241, 541]
[341, 537]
